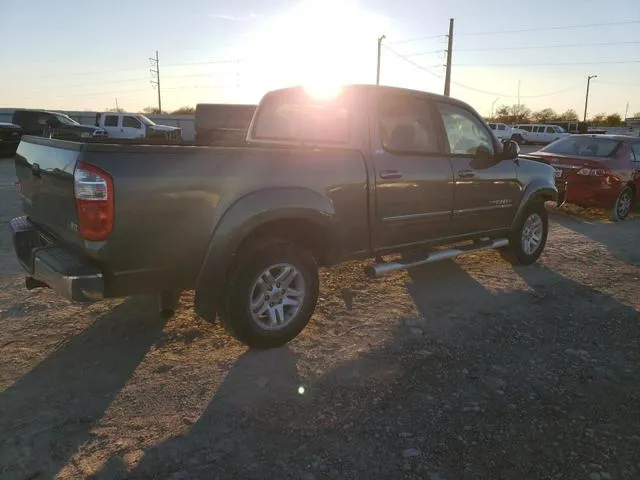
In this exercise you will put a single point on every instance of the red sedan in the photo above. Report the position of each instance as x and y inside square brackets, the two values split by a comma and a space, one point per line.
[600, 171]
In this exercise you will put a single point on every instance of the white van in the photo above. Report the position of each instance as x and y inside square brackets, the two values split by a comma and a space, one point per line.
[134, 125]
[539, 133]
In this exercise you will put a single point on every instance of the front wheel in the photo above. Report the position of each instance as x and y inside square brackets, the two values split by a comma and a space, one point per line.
[272, 294]
[518, 139]
[529, 238]
[622, 205]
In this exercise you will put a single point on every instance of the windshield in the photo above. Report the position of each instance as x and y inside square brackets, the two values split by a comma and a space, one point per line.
[583, 147]
[66, 120]
[145, 120]
[559, 129]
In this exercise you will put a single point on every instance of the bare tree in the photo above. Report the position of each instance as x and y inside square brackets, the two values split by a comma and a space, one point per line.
[543, 116]
[186, 110]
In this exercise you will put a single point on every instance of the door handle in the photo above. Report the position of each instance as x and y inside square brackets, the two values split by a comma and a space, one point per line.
[389, 174]
[467, 173]
[35, 170]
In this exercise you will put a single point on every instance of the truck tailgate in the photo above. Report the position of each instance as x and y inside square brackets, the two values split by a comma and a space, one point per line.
[44, 171]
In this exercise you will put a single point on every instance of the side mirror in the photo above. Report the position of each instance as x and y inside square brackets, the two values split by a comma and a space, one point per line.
[483, 153]
[510, 150]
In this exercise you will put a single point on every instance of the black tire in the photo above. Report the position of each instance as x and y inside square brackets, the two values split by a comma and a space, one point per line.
[237, 317]
[518, 139]
[515, 253]
[623, 205]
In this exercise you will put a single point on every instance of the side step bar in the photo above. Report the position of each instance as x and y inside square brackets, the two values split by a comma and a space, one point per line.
[379, 269]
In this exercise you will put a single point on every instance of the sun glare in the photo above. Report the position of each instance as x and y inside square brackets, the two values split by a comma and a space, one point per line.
[323, 91]
[321, 44]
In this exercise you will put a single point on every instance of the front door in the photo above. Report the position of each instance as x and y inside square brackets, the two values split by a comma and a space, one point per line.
[413, 176]
[132, 127]
[486, 191]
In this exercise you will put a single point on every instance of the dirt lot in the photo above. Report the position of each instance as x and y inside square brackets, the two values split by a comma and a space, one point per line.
[462, 370]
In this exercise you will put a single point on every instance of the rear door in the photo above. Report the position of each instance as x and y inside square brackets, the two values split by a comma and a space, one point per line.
[486, 191]
[111, 124]
[413, 176]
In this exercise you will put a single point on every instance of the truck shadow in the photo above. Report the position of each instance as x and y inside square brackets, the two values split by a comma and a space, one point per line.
[69, 391]
[440, 392]
[619, 238]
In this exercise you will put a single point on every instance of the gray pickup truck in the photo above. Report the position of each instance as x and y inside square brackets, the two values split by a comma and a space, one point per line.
[369, 172]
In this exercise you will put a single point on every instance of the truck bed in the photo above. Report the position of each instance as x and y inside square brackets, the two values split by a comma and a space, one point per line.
[169, 199]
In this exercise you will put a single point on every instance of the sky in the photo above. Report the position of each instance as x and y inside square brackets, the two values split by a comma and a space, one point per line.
[85, 55]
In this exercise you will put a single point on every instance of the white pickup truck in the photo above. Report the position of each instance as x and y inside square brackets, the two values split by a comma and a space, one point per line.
[502, 131]
[134, 125]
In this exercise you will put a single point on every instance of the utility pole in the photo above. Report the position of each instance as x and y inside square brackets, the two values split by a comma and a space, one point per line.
[447, 77]
[626, 112]
[155, 74]
[586, 97]
[117, 108]
[380, 39]
[493, 105]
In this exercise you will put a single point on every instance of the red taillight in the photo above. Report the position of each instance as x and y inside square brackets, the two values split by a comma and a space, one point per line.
[593, 172]
[93, 192]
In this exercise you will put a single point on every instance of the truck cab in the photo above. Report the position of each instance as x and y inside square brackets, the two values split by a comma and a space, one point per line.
[134, 125]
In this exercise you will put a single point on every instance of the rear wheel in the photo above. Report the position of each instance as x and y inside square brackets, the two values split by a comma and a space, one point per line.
[518, 139]
[272, 294]
[529, 238]
[622, 205]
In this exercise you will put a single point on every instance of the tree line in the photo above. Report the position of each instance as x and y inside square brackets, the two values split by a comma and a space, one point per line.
[504, 114]
[523, 114]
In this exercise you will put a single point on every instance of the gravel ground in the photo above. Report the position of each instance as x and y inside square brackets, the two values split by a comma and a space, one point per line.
[461, 370]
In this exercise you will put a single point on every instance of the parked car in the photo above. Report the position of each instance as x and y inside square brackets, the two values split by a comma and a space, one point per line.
[502, 131]
[595, 171]
[43, 123]
[535, 133]
[133, 125]
[369, 172]
[10, 135]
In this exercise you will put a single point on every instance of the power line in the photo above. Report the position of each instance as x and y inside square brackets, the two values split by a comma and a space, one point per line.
[618, 84]
[550, 94]
[408, 60]
[558, 64]
[557, 27]
[430, 52]
[477, 90]
[417, 39]
[536, 47]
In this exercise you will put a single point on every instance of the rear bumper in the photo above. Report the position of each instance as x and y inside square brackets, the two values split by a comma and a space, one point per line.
[50, 264]
[589, 195]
